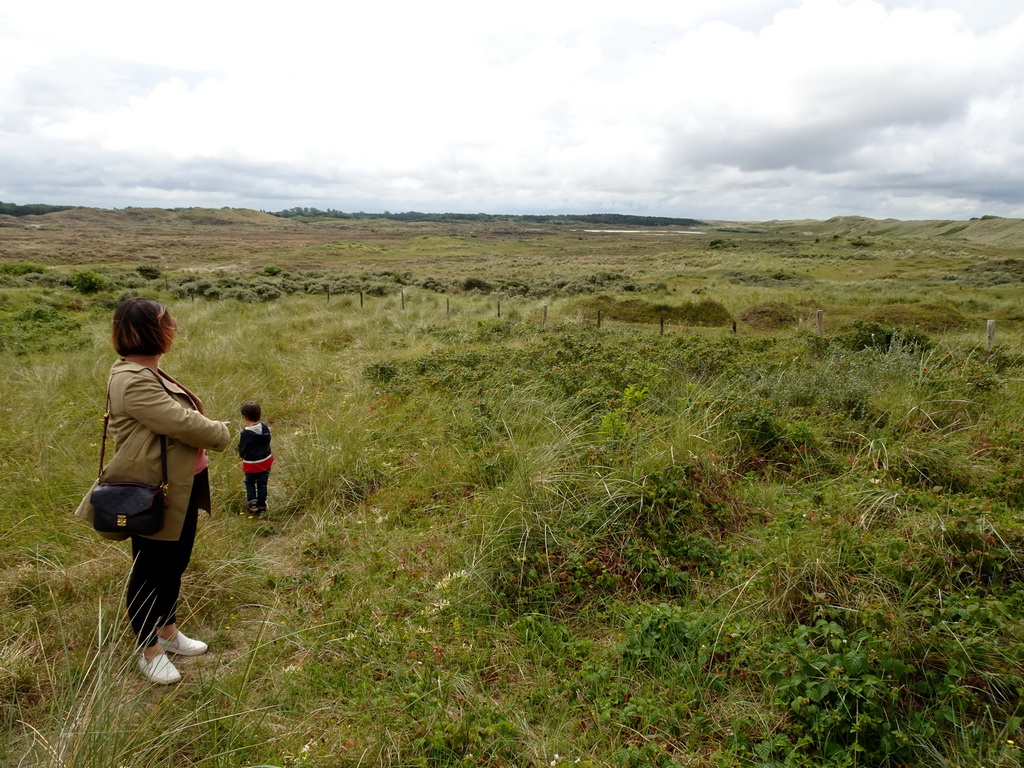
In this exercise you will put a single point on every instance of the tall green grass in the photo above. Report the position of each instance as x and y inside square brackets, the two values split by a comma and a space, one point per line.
[492, 542]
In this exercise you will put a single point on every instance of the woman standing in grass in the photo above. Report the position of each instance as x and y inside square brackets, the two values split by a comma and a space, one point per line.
[145, 403]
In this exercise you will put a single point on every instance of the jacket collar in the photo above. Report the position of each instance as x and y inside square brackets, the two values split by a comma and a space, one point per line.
[124, 366]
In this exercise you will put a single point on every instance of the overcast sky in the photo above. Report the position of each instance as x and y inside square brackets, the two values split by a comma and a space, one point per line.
[722, 109]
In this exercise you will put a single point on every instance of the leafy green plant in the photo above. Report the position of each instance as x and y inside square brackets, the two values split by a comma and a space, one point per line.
[874, 335]
[149, 272]
[21, 268]
[88, 281]
[841, 691]
[39, 329]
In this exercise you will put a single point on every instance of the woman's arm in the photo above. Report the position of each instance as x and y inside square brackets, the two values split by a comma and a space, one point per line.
[146, 401]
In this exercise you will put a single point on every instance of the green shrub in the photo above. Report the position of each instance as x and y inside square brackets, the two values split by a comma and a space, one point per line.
[770, 316]
[88, 281]
[759, 425]
[661, 636]
[701, 313]
[927, 318]
[21, 268]
[874, 335]
[476, 284]
[841, 692]
[148, 271]
[39, 329]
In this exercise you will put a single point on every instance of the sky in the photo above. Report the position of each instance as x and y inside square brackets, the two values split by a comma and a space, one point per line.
[740, 110]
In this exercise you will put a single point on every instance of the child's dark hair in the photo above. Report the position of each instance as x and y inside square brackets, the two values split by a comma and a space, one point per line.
[251, 410]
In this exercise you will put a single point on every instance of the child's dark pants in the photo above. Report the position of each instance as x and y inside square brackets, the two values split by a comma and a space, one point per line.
[256, 490]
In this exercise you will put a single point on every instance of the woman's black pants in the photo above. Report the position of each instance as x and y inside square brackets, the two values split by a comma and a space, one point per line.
[155, 580]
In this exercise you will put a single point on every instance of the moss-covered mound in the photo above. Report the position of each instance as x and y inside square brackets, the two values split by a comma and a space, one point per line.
[770, 316]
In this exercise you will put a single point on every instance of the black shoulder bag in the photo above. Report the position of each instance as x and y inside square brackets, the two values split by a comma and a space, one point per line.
[132, 508]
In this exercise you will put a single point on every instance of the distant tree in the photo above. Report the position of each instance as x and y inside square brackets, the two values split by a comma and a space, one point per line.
[607, 219]
[36, 209]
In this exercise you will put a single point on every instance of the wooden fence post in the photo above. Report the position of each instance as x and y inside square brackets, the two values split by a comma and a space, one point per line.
[499, 310]
[819, 322]
[328, 294]
[447, 306]
[661, 321]
[545, 320]
[360, 299]
[599, 318]
[991, 331]
[403, 298]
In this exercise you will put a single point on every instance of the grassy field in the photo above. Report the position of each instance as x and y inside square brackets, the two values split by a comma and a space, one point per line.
[519, 539]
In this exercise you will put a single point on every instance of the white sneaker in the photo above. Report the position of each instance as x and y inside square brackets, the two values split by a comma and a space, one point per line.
[183, 646]
[159, 669]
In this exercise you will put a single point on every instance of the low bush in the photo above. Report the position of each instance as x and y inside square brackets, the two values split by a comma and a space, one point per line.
[700, 313]
[88, 281]
[770, 316]
[773, 280]
[149, 272]
[21, 268]
[927, 318]
[39, 329]
[874, 335]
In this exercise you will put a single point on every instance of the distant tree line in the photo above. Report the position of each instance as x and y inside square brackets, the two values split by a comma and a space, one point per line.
[611, 219]
[35, 209]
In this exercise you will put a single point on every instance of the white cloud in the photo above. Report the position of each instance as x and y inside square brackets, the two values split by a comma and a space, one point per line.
[743, 109]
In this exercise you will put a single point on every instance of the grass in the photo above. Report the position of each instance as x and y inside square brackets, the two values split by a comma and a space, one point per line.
[494, 541]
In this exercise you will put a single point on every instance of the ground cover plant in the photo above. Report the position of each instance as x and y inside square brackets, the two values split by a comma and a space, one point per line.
[502, 536]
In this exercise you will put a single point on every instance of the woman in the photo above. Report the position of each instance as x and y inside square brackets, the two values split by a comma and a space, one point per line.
[145, 403]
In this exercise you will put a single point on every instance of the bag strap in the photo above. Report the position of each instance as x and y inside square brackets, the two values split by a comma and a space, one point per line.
[103, 443]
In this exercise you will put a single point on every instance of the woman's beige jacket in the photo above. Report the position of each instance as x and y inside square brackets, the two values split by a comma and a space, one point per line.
[143, 407]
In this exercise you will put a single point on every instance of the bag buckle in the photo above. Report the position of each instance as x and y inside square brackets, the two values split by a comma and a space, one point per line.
[122, 521]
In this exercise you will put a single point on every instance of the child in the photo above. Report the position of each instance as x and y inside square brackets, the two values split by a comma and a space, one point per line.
[254, 448]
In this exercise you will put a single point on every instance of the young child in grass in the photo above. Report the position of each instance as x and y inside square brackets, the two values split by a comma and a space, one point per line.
[254, 448]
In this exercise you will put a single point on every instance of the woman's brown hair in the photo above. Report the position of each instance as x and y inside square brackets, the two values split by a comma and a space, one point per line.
[142, 327]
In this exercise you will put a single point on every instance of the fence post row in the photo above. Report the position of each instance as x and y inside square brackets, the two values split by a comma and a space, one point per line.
[819, 317]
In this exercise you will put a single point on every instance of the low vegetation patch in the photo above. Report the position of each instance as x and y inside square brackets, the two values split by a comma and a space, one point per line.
[700, 313]
[501, 541]
[772, 280]
[39, 329]
[770, 316]
[930, 318]
[994, 272]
